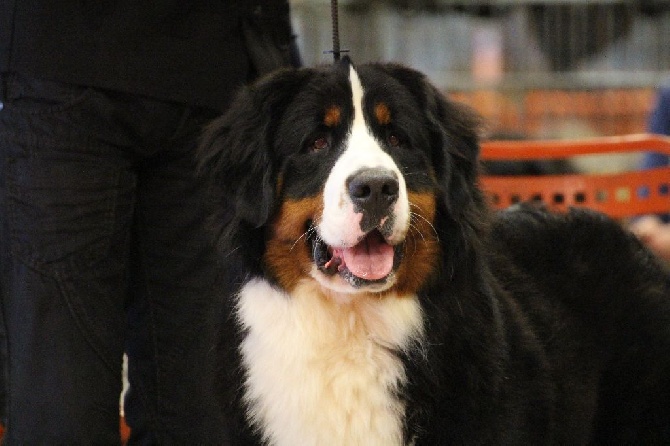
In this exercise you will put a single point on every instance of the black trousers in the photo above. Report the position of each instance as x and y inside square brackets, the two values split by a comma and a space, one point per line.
[104, 247]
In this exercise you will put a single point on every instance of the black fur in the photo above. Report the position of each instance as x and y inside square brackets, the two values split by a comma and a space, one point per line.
[541, 328]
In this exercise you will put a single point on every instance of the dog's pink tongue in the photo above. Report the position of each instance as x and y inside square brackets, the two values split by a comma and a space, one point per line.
[371, 259]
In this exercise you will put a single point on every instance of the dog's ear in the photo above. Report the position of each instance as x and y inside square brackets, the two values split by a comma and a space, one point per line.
[233, 154]
[456, 134]
[236, 150]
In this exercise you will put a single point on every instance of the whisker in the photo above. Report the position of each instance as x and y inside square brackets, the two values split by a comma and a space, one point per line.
[232, 251]
[416, 229]
[304, 234]
[419, 208]
[413, 173]
[415, 214]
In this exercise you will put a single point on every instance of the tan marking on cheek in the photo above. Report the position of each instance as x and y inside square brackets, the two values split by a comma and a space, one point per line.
[333, 116]
[287, 253]
[421, 245]
[382, 113]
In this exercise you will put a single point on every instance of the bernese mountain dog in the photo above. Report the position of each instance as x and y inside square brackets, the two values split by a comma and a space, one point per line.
[378, 301]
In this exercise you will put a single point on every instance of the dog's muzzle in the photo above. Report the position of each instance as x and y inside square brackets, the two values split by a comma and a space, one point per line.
[371, 259]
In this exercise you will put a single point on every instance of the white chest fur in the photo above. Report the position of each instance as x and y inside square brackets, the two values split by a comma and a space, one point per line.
[323, 373]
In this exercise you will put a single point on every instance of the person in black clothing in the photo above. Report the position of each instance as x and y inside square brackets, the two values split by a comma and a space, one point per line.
[103, 239]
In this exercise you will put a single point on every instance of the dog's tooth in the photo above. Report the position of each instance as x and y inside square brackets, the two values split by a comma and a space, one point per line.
[332, 265]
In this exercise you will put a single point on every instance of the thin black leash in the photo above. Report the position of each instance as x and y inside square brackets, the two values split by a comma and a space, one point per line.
[334, 16]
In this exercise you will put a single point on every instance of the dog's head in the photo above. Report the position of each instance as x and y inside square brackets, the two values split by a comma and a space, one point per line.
[344, 171]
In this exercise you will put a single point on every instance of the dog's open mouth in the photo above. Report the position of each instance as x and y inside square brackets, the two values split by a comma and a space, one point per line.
[372, 260]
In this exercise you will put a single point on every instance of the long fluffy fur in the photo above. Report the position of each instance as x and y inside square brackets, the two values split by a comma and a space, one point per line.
[528, 327]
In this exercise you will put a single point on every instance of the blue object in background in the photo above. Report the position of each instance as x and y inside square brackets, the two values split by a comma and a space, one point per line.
[659, 123]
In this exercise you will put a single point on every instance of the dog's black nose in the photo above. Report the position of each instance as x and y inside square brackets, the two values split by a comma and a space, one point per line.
[373, 192]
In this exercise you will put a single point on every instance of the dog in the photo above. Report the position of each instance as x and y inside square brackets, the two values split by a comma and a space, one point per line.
[378, 301]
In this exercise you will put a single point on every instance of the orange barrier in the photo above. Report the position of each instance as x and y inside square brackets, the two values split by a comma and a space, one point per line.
[619, 195]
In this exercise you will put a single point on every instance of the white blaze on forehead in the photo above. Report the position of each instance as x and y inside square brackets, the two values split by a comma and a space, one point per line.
[357, 97]
[339, 225]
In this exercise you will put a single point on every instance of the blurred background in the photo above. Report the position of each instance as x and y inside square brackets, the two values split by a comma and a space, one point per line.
[534, 69]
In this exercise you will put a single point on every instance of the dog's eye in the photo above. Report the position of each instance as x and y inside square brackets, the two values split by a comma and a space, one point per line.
[393, 140]
[319, 144]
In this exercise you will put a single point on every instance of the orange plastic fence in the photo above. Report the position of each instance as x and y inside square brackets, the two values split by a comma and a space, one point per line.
[619, 195]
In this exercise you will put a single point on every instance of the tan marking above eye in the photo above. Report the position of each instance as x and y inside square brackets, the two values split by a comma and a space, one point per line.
[382, 113]
[333, 116]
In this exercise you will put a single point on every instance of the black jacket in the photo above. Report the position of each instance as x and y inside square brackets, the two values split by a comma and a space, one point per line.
[189, 51]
